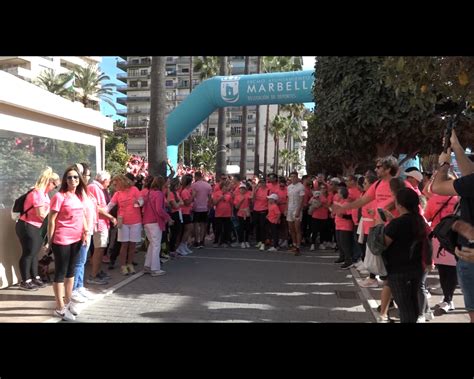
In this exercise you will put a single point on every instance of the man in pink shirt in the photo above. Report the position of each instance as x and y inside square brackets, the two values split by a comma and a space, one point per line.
[200, 196]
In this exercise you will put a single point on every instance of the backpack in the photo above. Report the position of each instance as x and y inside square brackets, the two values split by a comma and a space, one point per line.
[18, 208]
[447, 237]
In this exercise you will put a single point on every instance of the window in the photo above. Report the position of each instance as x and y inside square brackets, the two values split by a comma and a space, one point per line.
[169, 83]
[133, 84]
[185, 70]
[144, 72]
[144, 83]
[212, 132]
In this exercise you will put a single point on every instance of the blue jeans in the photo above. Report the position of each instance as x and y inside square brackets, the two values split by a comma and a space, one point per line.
[466, 281]
[80, 265]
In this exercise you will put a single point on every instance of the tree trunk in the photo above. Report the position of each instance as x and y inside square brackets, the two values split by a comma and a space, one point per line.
[243, 138]
[256, 165]
[275, 156]
[221, 148]
[207, 126]
[190, 74]
[157, 130]
[265, 149]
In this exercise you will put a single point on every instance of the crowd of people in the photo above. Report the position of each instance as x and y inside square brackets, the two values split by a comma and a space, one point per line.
[189, 211]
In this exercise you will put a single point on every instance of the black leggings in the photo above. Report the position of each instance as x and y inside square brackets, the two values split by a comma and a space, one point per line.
[65, 257]
[405, 287]
[318, 226]
[222, 232]
[176, 230]
[244, 229]
[261, 226]
[448, 279]
[30, 239]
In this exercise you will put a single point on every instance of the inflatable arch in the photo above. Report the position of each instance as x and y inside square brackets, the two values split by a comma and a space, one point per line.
[234, 91]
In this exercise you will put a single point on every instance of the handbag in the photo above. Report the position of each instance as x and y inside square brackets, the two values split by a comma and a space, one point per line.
[374, 263]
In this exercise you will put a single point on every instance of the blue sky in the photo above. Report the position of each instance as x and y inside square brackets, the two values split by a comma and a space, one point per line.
[109, 67]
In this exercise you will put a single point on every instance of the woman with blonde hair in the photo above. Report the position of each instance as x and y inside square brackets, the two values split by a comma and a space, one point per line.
[129, 220]
[28, 228]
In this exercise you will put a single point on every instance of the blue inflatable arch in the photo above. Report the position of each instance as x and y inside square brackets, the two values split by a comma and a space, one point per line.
[225, 91]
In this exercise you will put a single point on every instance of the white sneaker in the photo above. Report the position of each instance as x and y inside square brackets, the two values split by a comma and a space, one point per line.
[258, 245]
[247, 245]
[262, 247]
[358, 264]
[421, 320]
[77, 297]
[86, 293]
[187, 249]
[322, 246]
[272, 249]
[369, 283]
[445, 307]
[243, 245]
[429, 316]
[73, 308]
[158, 273]
[181, 251]
[284, 244]
[312, 247]
[64, 314]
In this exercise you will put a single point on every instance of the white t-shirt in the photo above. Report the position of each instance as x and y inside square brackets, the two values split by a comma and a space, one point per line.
[295, 195]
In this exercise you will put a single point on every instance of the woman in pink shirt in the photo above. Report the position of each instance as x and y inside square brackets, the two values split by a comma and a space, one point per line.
[344, 230]
[273, 218]
[242, 204]
[319, 217]
[222, 200]
[155, 218]
[129, 220]
[186, 208]
[28, 228]
[260, 211]
[67, 231]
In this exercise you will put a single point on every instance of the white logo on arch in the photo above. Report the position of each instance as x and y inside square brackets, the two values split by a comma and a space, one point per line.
[230, 89]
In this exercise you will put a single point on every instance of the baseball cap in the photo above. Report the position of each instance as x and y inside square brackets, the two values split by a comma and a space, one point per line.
[242, 185]
[415, 174]
[273, 196]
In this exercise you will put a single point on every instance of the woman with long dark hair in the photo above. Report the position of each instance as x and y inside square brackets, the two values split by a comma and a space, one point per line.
[67, 231]
[405, 238]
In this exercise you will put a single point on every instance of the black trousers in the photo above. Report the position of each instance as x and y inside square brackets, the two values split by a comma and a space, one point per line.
[448, 279]
[223, 228]
[405, 288]
[261, 226]
[30, 239]
[345, 240]
[274, 230]
[244, 229]
[318, 226]
[175, 230]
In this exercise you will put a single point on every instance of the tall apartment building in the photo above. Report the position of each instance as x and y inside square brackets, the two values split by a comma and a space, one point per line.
[29, 68]
[137, 91]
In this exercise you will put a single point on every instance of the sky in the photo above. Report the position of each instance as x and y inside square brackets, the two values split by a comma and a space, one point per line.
[109, 67]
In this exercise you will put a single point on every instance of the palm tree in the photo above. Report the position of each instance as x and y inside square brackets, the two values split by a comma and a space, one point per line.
[89, 81]
[243, 139]
[278, 129]
[207, 67]
[204, 154]
[256, 167]
[157, 137]
[56, 83]
[221, 147]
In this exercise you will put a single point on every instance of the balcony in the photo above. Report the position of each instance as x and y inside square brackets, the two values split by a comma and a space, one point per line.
[122, 112]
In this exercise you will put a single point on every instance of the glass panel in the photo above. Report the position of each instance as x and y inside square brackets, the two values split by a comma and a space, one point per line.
[23, 157]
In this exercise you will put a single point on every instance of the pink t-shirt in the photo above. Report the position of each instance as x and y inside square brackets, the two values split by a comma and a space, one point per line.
[321, 213]
[282, 198]
[223, 207]
[273, 213]
[35, 198]
[154, 211]
[125, 200]
[244, 208]
[435, 202]
[382, 195]
[261, 201]
[70, 219]
[202, 190]
[96, 190]
[186, 195]
[273, 188]
[370, 220]
[343, 223]
[176, 199]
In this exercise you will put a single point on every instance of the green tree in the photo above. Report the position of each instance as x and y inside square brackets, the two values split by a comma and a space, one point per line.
[204, 152]
[116, 155]
[56, 83]
[89, 81]
[359, 117]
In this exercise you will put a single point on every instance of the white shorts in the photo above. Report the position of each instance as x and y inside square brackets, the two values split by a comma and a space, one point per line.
[101, 238]
[130, 233]
[291, 215]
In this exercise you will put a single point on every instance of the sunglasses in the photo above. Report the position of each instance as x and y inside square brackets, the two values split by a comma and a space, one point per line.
[71, 177]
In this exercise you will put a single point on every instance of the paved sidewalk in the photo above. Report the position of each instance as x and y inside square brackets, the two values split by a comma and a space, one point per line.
[225, 285]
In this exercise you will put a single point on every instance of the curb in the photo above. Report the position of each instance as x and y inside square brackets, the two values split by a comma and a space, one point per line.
[107, 292]
[372, 303]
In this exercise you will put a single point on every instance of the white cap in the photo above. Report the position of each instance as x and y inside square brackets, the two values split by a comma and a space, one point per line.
[273, 196]
[242, 185]
[415, 174]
